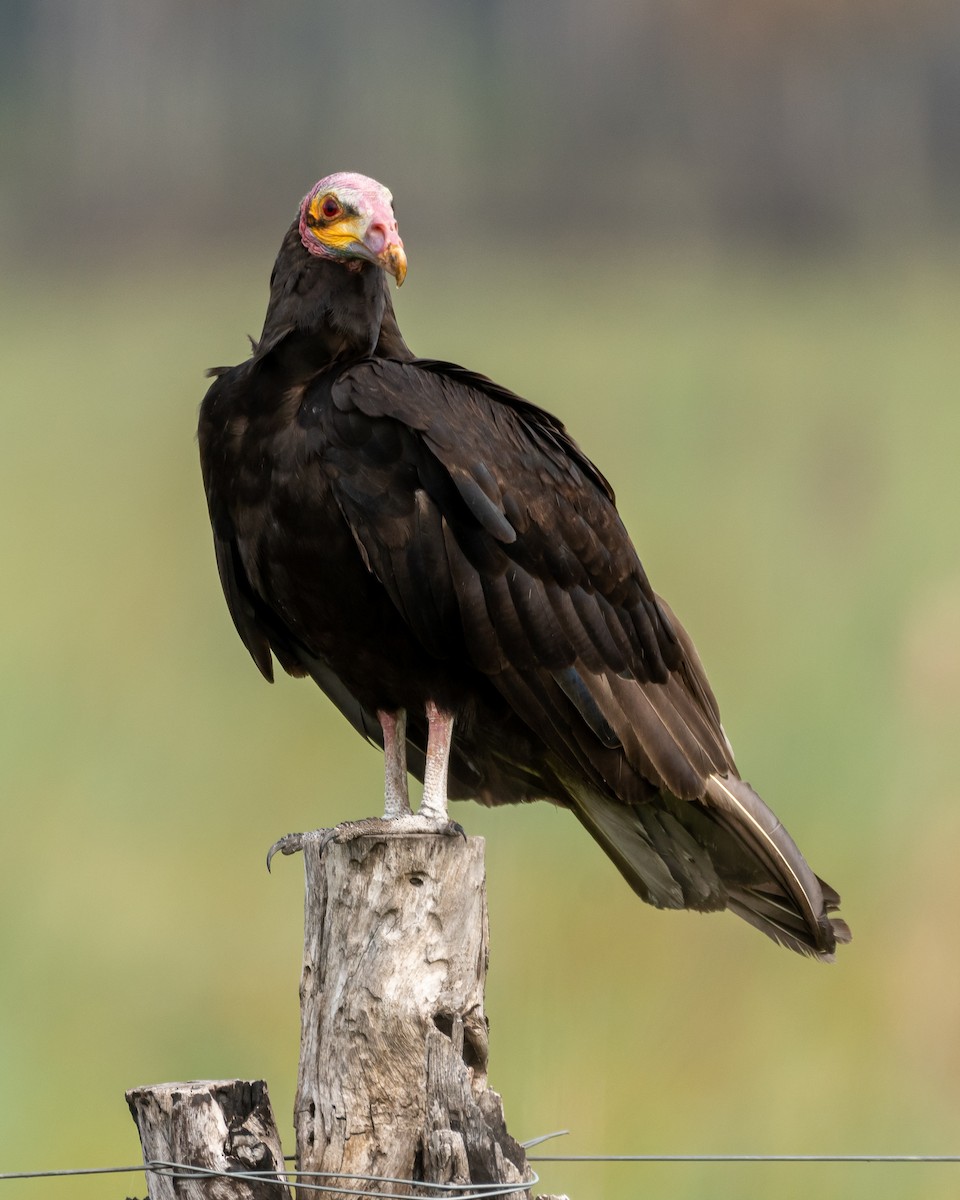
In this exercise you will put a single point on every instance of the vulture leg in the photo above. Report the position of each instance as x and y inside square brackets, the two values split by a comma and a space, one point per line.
[397, 815]
[439, 741]
[396, 800]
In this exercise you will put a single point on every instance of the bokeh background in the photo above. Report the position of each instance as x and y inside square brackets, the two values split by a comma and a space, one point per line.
[721, 241]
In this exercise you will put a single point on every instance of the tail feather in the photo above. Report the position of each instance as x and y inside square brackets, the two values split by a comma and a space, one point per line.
[627, 843]
[779, 926]
[727, 851]
[792, 907]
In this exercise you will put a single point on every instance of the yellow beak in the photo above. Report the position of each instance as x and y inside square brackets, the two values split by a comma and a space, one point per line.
[393, 259]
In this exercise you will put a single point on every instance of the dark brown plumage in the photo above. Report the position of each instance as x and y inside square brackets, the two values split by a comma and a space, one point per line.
[426, 544]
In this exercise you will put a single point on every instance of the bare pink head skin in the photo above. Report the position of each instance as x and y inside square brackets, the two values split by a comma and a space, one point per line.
[348, 218]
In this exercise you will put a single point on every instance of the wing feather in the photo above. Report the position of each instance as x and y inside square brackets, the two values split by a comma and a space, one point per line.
[547, 641]
[499, 542]
[485, 645]
[531, 552]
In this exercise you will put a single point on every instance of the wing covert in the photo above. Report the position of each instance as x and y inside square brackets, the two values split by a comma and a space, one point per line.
[494, 539]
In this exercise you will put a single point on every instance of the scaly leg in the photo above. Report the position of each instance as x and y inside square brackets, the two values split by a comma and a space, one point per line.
[396, 797]
[439, 741]
[397, 818]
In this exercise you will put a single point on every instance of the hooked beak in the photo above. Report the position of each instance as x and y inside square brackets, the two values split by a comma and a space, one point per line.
[382, 245]
[393, 259]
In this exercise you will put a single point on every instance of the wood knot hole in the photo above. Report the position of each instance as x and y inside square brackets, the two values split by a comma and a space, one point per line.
[416, 881]
[444, 1022]
[466, 1042]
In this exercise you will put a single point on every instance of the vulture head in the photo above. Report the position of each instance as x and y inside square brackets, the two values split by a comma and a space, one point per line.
[349, 219]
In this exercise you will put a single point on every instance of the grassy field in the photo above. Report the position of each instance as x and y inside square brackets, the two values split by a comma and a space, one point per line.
[784, 439]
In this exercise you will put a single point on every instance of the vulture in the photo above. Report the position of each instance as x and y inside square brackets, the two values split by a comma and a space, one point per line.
[444, 561]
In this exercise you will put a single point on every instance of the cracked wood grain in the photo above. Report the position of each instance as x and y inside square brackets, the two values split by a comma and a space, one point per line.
[394, 1040]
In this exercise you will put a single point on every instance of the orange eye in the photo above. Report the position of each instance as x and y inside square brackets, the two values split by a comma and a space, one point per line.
[331, 208]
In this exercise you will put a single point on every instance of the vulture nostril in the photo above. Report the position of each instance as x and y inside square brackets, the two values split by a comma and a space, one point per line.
[376, 237]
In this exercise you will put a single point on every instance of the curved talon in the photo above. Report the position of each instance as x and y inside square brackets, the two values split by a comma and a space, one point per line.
[346, 831]
[290, 843]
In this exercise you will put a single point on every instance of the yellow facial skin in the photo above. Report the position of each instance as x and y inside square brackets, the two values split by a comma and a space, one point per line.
[339, 232]
[344, 233]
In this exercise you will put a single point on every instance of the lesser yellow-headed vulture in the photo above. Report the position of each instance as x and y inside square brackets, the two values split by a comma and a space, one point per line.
[443, 559]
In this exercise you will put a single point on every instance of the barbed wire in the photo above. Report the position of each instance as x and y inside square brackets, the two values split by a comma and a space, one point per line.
[183, 1171]
[71, 1171]
[725, 1158]
[745, 1158]
[469, 1191]
[463, 1191]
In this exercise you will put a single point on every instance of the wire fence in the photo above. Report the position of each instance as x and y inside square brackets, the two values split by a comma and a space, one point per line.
[306, 1181]
[312, 1181]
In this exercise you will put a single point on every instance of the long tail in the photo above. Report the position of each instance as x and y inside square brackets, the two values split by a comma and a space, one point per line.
[793, 905]
[727, 850]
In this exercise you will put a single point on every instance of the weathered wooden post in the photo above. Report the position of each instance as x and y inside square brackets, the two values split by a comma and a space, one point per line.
[392, 1088]
[211, 1126]
[393, 1051]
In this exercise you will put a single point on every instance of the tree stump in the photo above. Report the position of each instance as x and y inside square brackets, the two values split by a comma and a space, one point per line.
[393, 1049]
[223, 1125]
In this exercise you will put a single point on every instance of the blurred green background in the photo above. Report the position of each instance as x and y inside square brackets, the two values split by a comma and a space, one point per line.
[720, 240]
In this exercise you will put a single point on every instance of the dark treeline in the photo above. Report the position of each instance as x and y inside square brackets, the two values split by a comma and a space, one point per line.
[811, 122]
